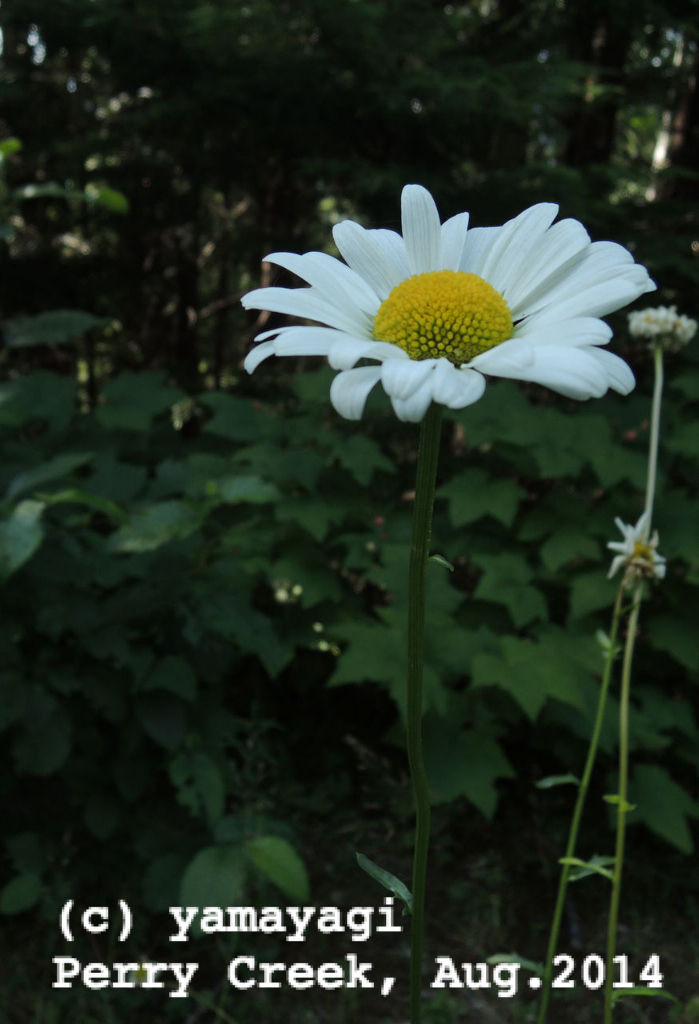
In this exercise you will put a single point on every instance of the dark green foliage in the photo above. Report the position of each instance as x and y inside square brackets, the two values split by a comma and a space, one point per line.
[203, 625]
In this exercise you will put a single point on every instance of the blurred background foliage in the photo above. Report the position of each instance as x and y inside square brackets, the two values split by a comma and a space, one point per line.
[204, 596]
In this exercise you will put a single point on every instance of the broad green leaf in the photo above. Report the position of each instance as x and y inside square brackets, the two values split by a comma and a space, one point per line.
[474, 494]
[58, 327]
[251, 489]
[21, 893]
[44, 743]
[215, 877]
[663, 806]
[567, 545]
[9, 146]
[38, 396]
[505, 581]
[362, 457]
[56, 468]
[237, 419]
[387, 880]
[589, 592]
[132, 400]
[463, 762]
[20, 536]
[155, 525]
[174, 674]
[278, 861]
[162, 718]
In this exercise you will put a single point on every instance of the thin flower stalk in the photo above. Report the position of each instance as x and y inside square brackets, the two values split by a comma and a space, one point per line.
[428, 454]
[622, 806]
[654, 435]
[579, 807]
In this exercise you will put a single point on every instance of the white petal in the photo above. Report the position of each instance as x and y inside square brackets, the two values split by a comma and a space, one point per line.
[478, 241]
[347, 351]
[306, 303]
[570, 371]
[578, 331]
[412, 409]
[402, 378]
[515, 243]
[377, 256]
[453, 241]
[421, 229]
[308, 341]
[601, 279]
[619, 374]
[557, 251]
[616, 565]
[350, 389]
[257, 355]
[328, 276]
[505, 360]
[456, 388]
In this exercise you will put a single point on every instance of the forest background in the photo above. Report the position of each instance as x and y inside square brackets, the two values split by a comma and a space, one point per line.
[204, 574]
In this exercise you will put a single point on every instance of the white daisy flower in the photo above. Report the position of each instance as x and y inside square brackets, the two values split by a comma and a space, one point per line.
[662, 325]
[441, 306]
[636, 553]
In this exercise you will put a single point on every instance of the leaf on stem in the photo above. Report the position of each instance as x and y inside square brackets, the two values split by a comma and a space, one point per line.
[388, 881]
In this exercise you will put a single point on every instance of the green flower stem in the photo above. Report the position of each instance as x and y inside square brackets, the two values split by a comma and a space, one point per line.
[428, 455]
[654, 435]
[578, 810]
[622, 807]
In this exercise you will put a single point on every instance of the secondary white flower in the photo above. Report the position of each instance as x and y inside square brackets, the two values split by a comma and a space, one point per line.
[442, 305]
[664, 325]
[636, 553]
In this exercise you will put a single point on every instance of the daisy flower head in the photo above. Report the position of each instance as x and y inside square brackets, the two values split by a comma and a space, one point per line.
[440, 307]
[636, 553]
[662, 325]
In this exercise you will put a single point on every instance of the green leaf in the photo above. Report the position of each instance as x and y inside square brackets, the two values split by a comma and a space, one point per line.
[215, 877]
[56, 468]
[557, 780]
[387, 880]
[505, 581]
[441, 560]
[463, 762]
[174, 674]
[162, 718]
[514, 958]
[615, 800]
[132, 400]
[362, 457]
[474, 494]
[9, 146]
[21, 893]
[531, 673]
[235, 418]
[278, 861]
[155, 525]
[663, 806]
[74, 496]
[44, 744]
[251, 489]
[57, 327]
[589, 592]
[20, 536]
[594, 866]
[109, 198]
[566, 545]
[40, 395]
[209, 786]
[642, 990]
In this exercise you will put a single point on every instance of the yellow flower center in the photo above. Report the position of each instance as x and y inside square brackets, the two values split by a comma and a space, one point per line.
[642, 551]
[444, 313]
